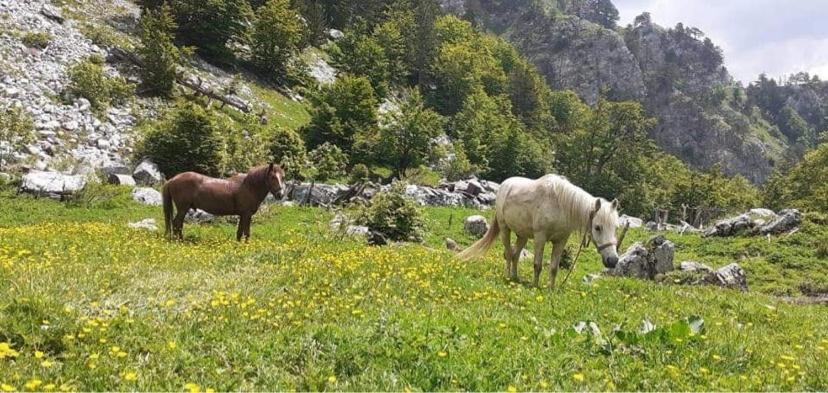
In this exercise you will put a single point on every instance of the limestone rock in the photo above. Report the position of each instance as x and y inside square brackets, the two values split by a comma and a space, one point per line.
[147, 196]
[122, 180]
[145, 224]
[51, 183]
[147, 173]
[476, 225]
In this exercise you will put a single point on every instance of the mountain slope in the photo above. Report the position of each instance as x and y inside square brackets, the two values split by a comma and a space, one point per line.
[677, 73]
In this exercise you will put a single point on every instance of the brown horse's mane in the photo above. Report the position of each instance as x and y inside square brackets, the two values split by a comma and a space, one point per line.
[256, 176]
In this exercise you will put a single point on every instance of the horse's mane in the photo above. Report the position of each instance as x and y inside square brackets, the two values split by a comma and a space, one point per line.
[578, 204]
[257, 176]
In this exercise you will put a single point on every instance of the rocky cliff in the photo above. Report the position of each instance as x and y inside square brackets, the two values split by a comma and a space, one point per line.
[677, 74]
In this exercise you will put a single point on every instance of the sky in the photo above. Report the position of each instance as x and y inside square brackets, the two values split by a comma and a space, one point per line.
[778, 37]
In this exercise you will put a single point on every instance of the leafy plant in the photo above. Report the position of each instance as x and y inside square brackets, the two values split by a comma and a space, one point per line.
[87, 79]
[159, 53]
[39, 40]
[186, 139]
[393, 214]
[16, 131]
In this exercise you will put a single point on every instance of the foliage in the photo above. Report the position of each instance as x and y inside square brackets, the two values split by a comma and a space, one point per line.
[87, 79]
[96, 195]
[393, 214]
[188, 138]
[209, 25]
[276, 36]
[605, 156]
[16, 131]
[359, 53]
[457, 166]
[329, 161]
[287, 148]
[157, 50]
[345, 115]
[246, 145]
[39, 40]
[359, 174]
[804, 186]
[406, 133]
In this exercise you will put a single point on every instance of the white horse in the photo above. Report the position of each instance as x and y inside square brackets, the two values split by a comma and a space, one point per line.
[547, 209]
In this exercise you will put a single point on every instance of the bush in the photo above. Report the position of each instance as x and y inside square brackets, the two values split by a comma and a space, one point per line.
[97, 195]
[277, 34]
[359, 174]
[16, 131]
[329, 161]
[187, 139]
[88, 80]
[344, 114]
[287, 148]
[159, 53]
[393, 214]
[39, 40]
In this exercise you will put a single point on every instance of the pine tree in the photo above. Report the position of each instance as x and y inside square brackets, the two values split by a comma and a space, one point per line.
[159, 53]
[277, 34]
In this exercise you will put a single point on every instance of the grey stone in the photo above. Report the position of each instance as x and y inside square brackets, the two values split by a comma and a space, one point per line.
[51, 183]
[476, 225]
[787, 220]
[691, 266]
[52, 13]
[147, 196]
[147, 173]
[730, 276]
[145, 224]
[634, 222]
[357, 230]
[335, 34]
[199, 216]
[452, 245]
[740, 224]
[122, 180]
[646, 262]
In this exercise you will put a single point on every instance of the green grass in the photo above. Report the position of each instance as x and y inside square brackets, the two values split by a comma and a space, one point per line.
[88, 304]
[280, 110]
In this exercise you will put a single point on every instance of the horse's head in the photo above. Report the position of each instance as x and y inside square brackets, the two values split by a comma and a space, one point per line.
[276, 180]
[603, 222]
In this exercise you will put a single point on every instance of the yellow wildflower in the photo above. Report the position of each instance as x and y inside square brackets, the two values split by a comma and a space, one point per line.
[332, 379]
[191, 387]
[511, 389]
[578, 377]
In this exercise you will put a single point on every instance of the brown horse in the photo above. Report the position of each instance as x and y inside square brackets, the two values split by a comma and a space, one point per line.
[239, 195]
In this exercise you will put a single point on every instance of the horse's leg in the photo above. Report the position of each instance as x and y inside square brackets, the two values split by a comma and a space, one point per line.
[178, 221]
[519, 245]
[558, 247]
[506, 238]
[540, 242]
[244, 227]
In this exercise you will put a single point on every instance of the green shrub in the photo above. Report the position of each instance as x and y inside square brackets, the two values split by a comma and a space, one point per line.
[16, 131]
[159, 53]
[393, 214]
[245, 148]
[359, 174]
[88, 80]
[186, 139]
[276, 36]
[101, 196]
[39, 40]
[329, 161]
[287, 148]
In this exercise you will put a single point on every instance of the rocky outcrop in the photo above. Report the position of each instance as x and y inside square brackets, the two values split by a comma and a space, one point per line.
[52, 184]
[645, 261]
[147, 196]
[472, 193]
[147, 173]
[67, 131]
[696, 273]
[756, 222]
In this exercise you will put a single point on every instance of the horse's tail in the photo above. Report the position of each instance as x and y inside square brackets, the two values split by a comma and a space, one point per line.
[168, 209]
[481, 246]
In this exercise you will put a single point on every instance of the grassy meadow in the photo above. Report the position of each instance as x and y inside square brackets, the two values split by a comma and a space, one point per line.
[87, 303]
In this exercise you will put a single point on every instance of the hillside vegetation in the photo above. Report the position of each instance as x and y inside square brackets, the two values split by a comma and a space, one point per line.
[89, 304]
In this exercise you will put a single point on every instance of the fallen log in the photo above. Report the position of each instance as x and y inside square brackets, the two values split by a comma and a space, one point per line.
[193, 83]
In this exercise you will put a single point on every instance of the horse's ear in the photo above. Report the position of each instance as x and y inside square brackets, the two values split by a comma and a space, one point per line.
[597, 204]
[615, 204]
[270, 168]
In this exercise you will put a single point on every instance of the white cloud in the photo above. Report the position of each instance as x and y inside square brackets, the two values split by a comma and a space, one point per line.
[772, 36]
